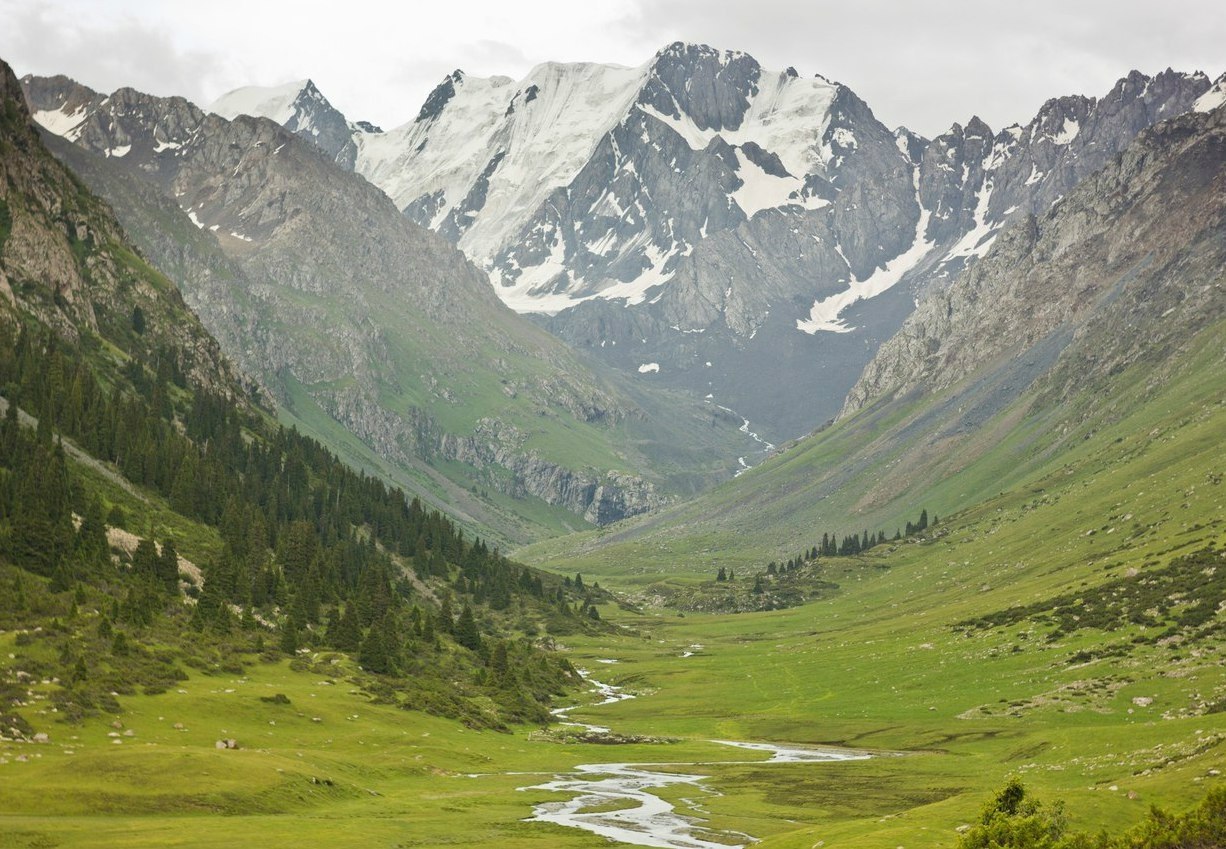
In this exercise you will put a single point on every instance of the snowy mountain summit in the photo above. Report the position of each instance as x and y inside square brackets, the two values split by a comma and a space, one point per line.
[716, 218]
[301, 108]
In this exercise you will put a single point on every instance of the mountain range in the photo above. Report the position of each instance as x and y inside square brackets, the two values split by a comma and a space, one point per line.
[1087, 339]
[736, 243]
[703, 222]
[203, 611]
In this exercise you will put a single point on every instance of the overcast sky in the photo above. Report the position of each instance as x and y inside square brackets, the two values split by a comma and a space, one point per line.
[922, 64]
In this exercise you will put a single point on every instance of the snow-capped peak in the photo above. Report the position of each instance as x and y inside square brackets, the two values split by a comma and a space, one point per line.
[277, 103]
[1213, 98]
[302, 109]
[694, 50]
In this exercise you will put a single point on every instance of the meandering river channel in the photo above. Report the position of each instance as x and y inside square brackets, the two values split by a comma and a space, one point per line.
[634, 813]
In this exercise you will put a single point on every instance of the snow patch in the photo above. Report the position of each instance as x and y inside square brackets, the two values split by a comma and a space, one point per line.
[1068, 131]
[977, 241]
[825, 312]
[1211, 99]
[635, 291]
[844, 137]
[760, 190]
[786, 117]
[60, 123]
[273, 102]
[649, 368]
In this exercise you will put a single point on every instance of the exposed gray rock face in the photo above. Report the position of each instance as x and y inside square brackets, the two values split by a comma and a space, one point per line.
[442, 93]
[334, 300]
[1131, 261]
[317, 120]
[65, 259]
[710, 87]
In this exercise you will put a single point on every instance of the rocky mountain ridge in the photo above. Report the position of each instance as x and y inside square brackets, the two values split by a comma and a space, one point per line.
[302, 109]
[64, 261]
[704, 223]
[1155, 213]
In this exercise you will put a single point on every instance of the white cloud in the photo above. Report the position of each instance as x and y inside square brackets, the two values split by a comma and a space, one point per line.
[925, 65]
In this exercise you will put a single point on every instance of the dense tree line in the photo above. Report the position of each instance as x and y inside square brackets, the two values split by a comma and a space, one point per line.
[312, 551]
[832, 545]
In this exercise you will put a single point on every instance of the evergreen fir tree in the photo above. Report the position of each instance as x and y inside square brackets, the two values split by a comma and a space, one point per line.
[290, 640]
[373, 654]
[466, 633]
[500, 666]
[168, 566]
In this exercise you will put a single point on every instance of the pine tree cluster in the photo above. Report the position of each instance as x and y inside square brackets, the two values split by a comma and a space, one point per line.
[313, 552]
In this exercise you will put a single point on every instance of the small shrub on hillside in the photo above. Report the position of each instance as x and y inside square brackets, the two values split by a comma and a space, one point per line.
[1014, 820]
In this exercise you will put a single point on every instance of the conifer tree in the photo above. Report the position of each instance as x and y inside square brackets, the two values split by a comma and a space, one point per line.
[466, 633]
[168, 566]
[145, 559]
[289, 639]
[500, 667]
[373, 654]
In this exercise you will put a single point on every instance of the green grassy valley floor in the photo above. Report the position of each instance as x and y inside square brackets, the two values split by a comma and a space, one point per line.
[1054, 632]
[877, 668]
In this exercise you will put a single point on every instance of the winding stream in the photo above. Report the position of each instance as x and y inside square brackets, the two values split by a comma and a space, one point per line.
[641, 817]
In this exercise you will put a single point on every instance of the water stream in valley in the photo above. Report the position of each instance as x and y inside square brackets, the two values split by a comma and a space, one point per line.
[619, 801]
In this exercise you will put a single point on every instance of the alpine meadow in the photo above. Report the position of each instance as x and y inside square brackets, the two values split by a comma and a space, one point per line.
[668, 454]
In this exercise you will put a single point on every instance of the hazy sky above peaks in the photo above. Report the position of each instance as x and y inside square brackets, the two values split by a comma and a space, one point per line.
[924, 65]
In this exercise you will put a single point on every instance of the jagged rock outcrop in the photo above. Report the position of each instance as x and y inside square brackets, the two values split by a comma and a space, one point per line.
[66, 260]
[1132, 260]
